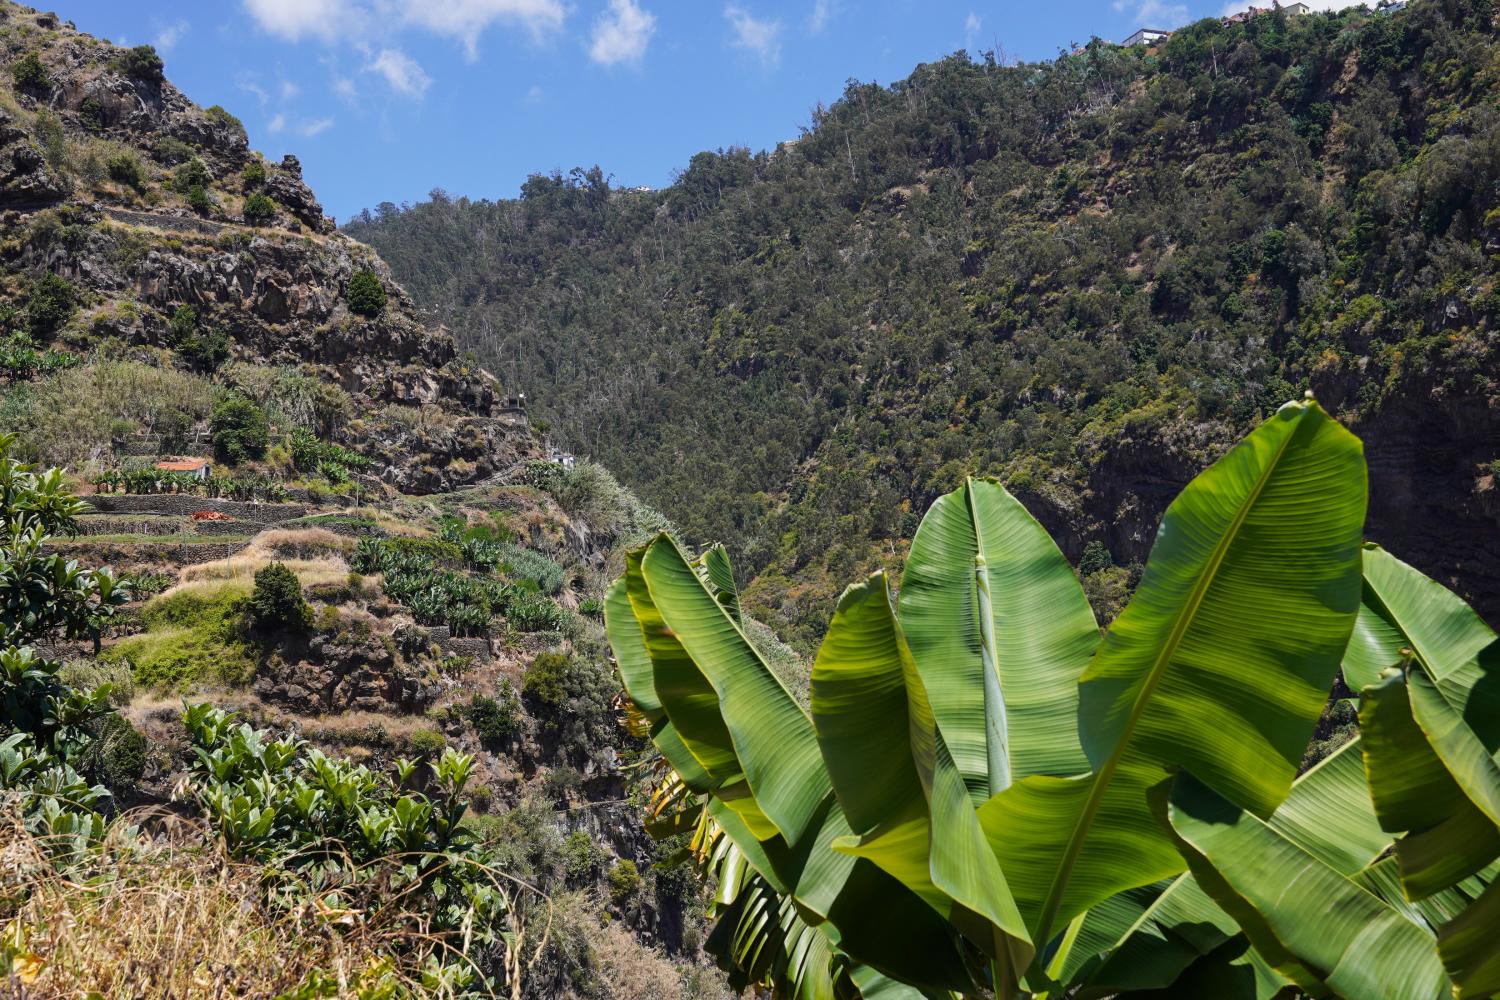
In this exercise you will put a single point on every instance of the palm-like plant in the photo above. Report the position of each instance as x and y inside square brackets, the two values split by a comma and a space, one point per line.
[988, 794]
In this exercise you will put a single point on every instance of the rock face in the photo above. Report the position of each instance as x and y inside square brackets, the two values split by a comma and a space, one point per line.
[112, 179]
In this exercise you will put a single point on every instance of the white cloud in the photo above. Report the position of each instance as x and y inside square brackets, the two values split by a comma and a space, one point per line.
[1154, 13]
[761, 37]
[315, 127]
[378, 23]
[535, 94]
[972, 24]
[276, 124]
[622, 33]
[401, 71]
[288, 90]
[167, 38]
[466, 20]
[344, 88]
[822, 13]
[298, 19]
[251, 85]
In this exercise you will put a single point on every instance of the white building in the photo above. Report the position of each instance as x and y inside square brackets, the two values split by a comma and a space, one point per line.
[1147, 36]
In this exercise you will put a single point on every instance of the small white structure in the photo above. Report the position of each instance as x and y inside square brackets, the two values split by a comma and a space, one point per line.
[198, 468]
[1147, 36]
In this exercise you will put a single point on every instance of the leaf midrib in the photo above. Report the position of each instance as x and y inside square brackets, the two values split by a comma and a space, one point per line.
[1153, 677]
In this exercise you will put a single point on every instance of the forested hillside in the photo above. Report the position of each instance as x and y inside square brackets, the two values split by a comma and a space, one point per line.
[1085, 276]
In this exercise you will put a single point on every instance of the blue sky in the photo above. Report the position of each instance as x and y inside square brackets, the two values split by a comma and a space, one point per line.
[384, 100]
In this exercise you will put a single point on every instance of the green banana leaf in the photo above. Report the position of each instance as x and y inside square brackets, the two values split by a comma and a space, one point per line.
[1328, 814]
[1000, 631]
[1317, 927]
[770, 790]
[1416, 748]
[1401, 609]
[900, 790]
[1220, 665]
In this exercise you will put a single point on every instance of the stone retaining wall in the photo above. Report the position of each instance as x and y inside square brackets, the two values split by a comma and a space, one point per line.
[177, 553]
[183, 504]
[475, 647]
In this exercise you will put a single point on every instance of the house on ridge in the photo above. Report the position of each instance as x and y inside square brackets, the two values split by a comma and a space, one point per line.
[1146, 36]
[198, 468]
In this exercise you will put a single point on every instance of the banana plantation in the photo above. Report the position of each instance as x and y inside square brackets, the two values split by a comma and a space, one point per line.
[987, 796]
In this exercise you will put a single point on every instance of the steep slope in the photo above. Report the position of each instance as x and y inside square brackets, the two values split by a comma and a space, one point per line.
[152, 210]
[1086, 276]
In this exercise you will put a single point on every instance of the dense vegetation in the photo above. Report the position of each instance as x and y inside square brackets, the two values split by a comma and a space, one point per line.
[987, 793]
[1016, 270]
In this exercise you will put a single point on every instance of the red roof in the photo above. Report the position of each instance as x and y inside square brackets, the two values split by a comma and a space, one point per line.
[186, 465]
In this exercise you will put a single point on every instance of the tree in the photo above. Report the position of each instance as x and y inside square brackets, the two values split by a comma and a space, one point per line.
[980, 746]
[140, 63]
[50, 302]
[258, 210]
[277, 601]
[240, 430]
[29, 73]
[366, 295]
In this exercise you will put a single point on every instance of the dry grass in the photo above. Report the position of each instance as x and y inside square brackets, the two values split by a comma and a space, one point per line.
[160, 918]
[301, 543]
[280, 546]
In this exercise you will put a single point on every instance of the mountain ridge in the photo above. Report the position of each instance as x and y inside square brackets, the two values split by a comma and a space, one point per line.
[1087, 276]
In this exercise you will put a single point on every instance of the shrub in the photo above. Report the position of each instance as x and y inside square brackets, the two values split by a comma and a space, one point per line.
[194, 637]
[198, 199]
[206, 351]
[253, 177]
[29, 73]
[240, 430]
[528, 612]
[524, 564]
[171, 151]
[219, 116]
[183, 324]
[259, 210]
[140, 63]
[277, 601]
[126, 169]
[545, 682]
[189, 175]
[496, 720]
[426, 743]
[117, 756]
[50, 301]
[583, 859]
[624, 881]
[366, 295]
[1096, 556]
[91, 114]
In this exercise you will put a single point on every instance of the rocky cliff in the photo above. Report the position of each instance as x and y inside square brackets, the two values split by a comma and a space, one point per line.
[147, 205]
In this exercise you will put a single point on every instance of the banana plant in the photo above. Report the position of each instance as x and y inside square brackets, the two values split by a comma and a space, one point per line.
[978, 744]
[1421, 919]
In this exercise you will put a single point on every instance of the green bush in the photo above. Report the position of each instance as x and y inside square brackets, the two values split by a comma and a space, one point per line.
[126, 169]
[91, 114]
[183, 324]
[219, 116]
[1096, 556]
[29, 73]
[259, 210]
[545, 682]
[277, 601]
[240, 430]
[190, 174]
[205, 351]
[496, 720]
[366, 295]
[50, 301]
[426, 743]
[253, 177]
[117, 756]
[140, 63]
[198, 199]
[171, 151]
[624, 881]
